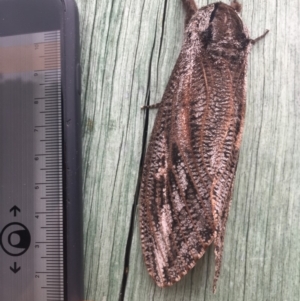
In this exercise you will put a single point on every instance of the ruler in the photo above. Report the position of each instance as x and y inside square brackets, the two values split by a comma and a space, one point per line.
[32, 212]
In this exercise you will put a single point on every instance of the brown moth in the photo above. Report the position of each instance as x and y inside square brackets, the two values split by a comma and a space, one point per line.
[190, 164]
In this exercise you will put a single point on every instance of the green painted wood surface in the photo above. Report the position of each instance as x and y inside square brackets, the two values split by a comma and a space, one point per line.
[128, 51]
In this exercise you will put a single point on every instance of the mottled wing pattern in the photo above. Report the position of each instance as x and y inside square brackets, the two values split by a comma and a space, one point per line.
[227, 59]
[192, 156]
[175, 212]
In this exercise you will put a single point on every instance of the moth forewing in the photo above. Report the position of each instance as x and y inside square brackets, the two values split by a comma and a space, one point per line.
[190, 164]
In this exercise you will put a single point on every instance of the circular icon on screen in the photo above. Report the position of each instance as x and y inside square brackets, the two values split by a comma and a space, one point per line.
[15, 239]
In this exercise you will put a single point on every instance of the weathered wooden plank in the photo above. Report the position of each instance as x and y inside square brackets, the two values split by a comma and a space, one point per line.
[115, 59]
[128, 51]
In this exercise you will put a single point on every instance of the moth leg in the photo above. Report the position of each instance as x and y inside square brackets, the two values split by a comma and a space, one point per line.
[259, 38]
[190, 8]
[154, 106]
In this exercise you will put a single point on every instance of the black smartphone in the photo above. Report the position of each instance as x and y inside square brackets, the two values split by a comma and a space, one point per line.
[40, 151]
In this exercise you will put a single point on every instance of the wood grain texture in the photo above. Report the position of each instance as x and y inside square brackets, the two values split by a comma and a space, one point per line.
[129, 49]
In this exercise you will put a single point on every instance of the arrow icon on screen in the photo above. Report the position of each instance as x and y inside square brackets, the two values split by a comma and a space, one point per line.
[15, 269]
[15, 209]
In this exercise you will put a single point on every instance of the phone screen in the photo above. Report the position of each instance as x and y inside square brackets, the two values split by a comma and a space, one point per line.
[31, 176]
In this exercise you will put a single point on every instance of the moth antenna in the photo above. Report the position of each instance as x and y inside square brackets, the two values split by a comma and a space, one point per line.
[190, 8]
[236, 6]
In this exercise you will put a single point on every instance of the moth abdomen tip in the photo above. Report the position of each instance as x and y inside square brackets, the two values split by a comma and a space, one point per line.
[236, 6]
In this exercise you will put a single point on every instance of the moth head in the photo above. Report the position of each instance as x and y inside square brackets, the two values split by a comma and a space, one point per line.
[226, 36]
